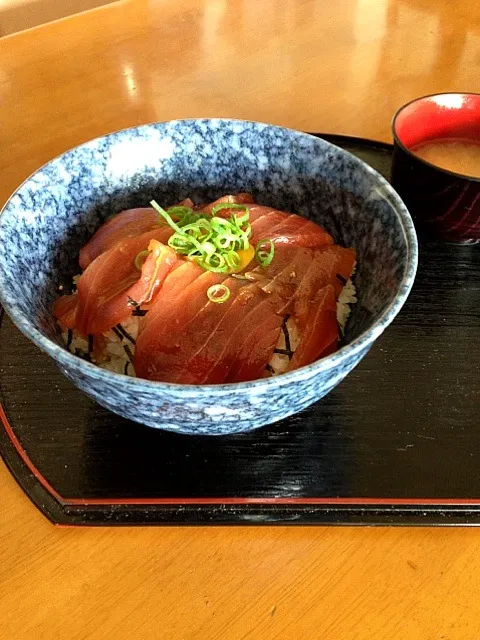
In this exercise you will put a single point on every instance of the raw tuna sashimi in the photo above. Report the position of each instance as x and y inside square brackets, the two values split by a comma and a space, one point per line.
[186, 338]
[109, 284]
[126, 224]
[185, 335]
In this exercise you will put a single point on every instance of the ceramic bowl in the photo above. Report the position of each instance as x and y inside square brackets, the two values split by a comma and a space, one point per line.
[444, 205]
[54, 212]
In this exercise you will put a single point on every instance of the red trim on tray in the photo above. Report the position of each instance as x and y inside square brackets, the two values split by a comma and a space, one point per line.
[23, 455]
[414, 502]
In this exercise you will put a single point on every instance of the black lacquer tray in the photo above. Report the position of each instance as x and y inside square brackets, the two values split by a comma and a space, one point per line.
[398, 442]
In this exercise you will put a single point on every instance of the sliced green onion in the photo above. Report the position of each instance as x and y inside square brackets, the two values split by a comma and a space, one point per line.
[180, 212]
[264, 252]
[218, 293]
[233, 260]
[228, 205]
[215, 262]
[239, 220]
[245, 238]
[224, 240]
[213, 242]
[165, 215]
[209, 249]
[140, 259]
[179, 244]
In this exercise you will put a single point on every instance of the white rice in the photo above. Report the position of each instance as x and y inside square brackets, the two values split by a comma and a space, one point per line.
[119, 349]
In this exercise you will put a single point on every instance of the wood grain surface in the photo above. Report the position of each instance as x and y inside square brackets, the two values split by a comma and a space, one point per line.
[344, 67]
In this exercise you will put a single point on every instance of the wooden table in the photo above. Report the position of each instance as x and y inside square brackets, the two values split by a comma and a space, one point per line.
[344, 67]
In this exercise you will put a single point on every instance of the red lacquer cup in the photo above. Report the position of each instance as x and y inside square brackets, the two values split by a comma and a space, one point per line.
[443, 204]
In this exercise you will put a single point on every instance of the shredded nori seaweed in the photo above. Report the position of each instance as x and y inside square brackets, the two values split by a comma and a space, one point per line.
[136, 311]
[69, 339]
[341, 278]
[125, 333]
[284, 352]
[270, 369]
[128, 352]
[286, 334]
[117, 333]
[125, 369]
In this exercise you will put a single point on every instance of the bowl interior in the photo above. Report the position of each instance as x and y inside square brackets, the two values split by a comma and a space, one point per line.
[58, 208]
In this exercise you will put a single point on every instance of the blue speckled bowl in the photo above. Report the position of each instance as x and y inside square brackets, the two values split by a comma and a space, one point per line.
[54, 212]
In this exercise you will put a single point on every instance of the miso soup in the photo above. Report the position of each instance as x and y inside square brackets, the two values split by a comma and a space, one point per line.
[457, 155]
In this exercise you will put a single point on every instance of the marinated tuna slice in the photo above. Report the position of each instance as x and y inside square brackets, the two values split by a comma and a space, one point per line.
[166, 326]
[126, 224]
[249, 309]
[317, 326]
[299, 232]
[239, 198]
[330, 264]
[179, 353]
[109, 284]
[222, 330]
[208, 300]
[65, 310]
[253, 356]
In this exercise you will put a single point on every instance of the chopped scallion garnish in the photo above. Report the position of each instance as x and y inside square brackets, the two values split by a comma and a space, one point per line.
[221, 245]
[218, 293]
[264, 252]
[140, 259]
[228, 205]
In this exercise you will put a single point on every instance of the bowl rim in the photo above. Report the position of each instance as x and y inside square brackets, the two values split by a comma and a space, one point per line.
[410, 153]
[344, 354]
